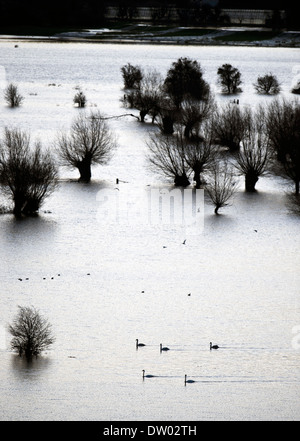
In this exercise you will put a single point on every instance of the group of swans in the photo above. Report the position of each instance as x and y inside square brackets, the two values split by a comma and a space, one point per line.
[161, 347]
[138, 345]
[211, 346]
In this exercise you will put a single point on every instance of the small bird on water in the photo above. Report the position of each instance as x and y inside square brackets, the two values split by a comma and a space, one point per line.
[187, 381]
[138, 345]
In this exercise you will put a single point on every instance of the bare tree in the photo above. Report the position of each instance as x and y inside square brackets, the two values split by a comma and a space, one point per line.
[12, 96]
[200, 156]
[253, 160]
[27, 175]
[229, 125]
[221, 185]
[168, 115]
[193, 113]
[147, 98]
[166, 157]
[89, 142]
[267, 84]
[254, 156]
[283, 128]
[31, 333]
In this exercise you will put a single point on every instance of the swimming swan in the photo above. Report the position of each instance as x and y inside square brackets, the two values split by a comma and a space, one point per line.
[147, 376]
[163, 348]
[211, 346]
[139, 345]
[187, 381]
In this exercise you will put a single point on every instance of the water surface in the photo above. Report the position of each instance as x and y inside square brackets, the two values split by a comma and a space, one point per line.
[125, 280]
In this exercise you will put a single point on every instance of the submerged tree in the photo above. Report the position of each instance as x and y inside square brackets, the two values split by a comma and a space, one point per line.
[12, 95]
[253, 159]
[229, 79]
[31, 333]
[267, 84]
[229, 125]
[80, 99]
[89, 142]
[200, 156]
[283, 129]
[193, 113]
[221, 185]
[28, 175]
[132, 76]
[166, 157]
[185, 80]
[148, 96]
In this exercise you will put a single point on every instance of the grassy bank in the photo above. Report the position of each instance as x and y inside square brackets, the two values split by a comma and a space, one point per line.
[123, 31]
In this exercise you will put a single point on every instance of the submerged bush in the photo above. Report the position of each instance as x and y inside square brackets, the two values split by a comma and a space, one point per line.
[80, 99]
[229, 79]
[221, 185]
[132, 76]
[268, 84]
[283, 129]
[184, 80]
[31, 333]
[28, 175]
[12, 96]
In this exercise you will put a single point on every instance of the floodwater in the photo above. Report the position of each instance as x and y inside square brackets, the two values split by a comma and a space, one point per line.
[103, 281]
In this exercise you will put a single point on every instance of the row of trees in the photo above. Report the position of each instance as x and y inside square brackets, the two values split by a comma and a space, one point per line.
[13, 97]
[29, 173]
[184, 80]
[229, 142]
[193, 127]
[196, 137]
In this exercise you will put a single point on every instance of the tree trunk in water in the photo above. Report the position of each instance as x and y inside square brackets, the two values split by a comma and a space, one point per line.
[17, 211]
[84, 168]
[197, 178]
[143, 113]
[217, 209]
[18, 205]
[250, 181]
